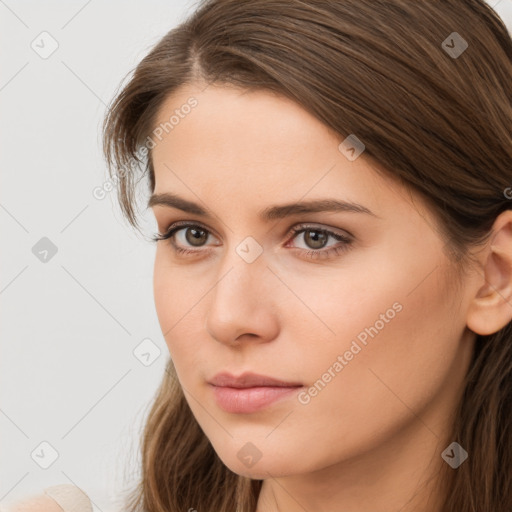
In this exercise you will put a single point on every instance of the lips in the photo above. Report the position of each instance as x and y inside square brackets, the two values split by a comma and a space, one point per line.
[249, 392]
[249, 380]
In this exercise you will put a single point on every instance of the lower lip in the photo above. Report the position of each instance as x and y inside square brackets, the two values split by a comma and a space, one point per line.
[247, 400]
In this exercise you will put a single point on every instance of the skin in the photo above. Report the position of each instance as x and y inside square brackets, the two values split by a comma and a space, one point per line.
[35, 503]
[373, 437]
[58, 498]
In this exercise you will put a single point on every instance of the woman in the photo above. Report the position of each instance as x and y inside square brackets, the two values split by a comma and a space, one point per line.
[333, 272]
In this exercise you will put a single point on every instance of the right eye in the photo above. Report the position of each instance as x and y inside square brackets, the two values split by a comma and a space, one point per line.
[189, 234]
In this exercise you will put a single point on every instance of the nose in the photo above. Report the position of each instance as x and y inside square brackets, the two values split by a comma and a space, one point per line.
[242, 305]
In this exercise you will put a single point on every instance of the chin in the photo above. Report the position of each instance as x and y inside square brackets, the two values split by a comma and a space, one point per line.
[273, 464]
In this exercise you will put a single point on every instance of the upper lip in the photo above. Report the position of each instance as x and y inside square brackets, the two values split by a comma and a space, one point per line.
[249, 380]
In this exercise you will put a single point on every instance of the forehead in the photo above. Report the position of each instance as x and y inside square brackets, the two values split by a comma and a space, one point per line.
[260, 148]
[238, 135]
[234, 122]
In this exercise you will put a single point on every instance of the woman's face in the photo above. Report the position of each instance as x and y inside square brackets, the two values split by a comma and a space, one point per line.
[358, 307]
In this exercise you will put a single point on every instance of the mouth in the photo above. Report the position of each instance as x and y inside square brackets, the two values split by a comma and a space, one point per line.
[249, 392]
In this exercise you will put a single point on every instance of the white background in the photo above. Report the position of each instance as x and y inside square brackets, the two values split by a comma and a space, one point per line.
[69, 326]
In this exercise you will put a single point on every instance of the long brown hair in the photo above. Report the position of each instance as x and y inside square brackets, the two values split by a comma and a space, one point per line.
[427, 87]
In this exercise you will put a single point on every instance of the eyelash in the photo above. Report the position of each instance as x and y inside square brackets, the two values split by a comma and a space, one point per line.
[311, 254]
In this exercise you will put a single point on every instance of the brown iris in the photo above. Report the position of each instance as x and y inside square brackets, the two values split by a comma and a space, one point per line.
[317, 241]
[194, 235]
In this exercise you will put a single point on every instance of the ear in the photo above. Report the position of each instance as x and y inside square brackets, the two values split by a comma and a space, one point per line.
[491, 308]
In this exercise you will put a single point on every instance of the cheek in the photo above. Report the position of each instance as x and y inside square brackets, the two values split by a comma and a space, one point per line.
[176, 296]
[394, 350]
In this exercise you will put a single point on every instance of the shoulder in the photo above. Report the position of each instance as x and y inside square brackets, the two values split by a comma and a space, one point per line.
[59, 498]
[36, 503]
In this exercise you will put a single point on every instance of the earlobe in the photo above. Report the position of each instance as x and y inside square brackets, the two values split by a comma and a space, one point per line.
[491, 308]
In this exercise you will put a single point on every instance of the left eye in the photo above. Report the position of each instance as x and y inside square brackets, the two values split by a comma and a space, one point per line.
[317, 238]
[195, 235]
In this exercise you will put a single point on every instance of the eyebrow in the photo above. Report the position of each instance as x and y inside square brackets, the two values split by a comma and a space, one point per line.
[271, 213]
